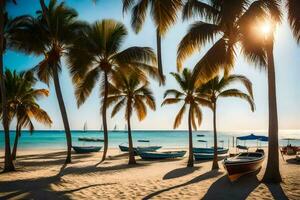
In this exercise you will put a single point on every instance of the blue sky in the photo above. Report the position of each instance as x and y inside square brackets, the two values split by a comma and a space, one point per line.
[232, 114]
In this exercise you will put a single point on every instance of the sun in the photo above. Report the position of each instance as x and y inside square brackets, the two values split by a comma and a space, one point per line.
[266, 27]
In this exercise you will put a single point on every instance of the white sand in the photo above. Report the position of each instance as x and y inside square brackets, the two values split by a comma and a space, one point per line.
[41, 175]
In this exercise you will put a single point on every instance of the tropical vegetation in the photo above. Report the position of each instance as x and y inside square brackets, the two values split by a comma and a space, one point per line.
[22, 103]
[131, 91]
[218, 88]
[191, 101]
[97, 54]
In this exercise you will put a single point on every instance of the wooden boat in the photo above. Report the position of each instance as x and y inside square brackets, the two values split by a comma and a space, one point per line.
[149, 148]
[90, 139]
[242, 164]
[200, 135]
[206, 156]
[87, 149]
[161, 155]
[210, 150]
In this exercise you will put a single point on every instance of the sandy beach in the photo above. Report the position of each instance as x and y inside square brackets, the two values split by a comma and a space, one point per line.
[42, 175]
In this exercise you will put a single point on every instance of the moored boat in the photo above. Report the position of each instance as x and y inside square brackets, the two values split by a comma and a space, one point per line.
[221, 150]
[148, 148]
[242, 164]
[90, 139]
[207, 156]
[161, 155]
[86, 149]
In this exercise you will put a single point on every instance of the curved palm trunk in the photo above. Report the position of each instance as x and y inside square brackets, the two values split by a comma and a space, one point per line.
[159, 57]
[8, 163]
[104, 121]
[130, 145]
[191, 155]
[63, 113]
[215, 164]
[272, 173]
[18, 134]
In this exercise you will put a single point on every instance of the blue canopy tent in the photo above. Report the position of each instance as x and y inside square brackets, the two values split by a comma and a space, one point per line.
[260, 138]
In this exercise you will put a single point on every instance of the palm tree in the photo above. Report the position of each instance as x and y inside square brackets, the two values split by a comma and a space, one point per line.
[219, 87]
[229, 24]
[164, 15]
[188, 95]
[97, 53]
[21, 102]
[8, 163]
[48, 35]
[293, 7]
[129, 90]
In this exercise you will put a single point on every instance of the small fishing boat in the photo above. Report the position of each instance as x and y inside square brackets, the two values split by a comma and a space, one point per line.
[243, 163]
[207, 156]
[90, 139]
[87, 149]
[148, 148]
[200, 135]
[210, 150]
[161, 155]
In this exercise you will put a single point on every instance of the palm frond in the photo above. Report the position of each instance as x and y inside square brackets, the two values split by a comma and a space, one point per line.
[239, 94]
[118, 107]
[171, 101]
[293, 7]
[179, 116]
[173, 92]
[138, 15]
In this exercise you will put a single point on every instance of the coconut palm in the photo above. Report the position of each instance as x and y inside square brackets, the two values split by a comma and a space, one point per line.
[129, 90]
[8, 163]
[230, 26]
[188, 95]
[48, 35]
[21, 103]
[293, 7]
[97, 53]
[220, 87]
[164, 15]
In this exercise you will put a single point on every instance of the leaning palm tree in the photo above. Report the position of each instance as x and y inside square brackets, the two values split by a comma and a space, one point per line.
[97, 54]
[48, 35]
[164, 15]
[230, 26]
[188, 95]
[219, 87]
[21, 103]
[8, 163]
[130, 90]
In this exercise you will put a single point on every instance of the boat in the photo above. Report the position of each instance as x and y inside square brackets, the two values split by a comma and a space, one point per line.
[200, 135]
[86, 149]
[148, 149]
[161, 155]
[243, 163]
[290, 149]
[206, 156]
[90, 139]
[210, 150]
[85, 127]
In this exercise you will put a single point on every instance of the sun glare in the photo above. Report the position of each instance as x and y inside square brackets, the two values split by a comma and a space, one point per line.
[266, 27]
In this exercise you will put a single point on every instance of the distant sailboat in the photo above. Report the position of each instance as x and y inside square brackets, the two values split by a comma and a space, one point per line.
[85, 127]
[115, 128]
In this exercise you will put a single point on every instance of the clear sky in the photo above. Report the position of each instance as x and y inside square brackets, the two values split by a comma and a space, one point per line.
[232, 114]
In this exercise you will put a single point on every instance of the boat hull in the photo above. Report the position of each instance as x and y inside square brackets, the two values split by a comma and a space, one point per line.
[90, 139]
[206, 156]
[149, 149]
[89, 149]
[238, 169]
[209, 150]
[161, 155]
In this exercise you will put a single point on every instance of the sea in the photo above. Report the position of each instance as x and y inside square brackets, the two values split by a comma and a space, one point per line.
[55, 139]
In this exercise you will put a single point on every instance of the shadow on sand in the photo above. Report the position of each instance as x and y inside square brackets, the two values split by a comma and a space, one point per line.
[180, 172]
[197, 179]
[293, 161]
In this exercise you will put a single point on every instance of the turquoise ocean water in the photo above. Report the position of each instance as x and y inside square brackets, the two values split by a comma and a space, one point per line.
[168, 139]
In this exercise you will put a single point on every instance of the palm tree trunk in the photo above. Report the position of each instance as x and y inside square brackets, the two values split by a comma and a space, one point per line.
[272, 174]
[130, 145]
[159, 59]
[8, 163]
[104, 122]
[63, 113]
[191, 155]
[215, 164]
[18, 133]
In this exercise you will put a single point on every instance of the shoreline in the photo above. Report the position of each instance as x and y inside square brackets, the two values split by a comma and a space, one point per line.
[43, 175]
